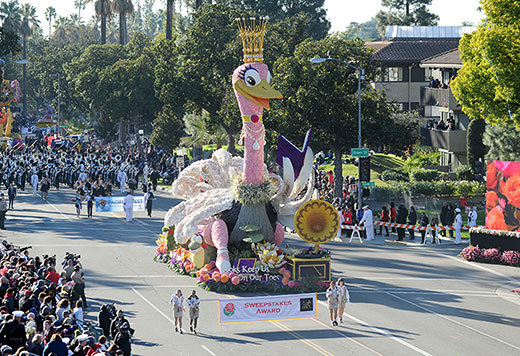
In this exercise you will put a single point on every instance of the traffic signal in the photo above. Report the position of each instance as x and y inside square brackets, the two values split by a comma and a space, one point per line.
[364, 169]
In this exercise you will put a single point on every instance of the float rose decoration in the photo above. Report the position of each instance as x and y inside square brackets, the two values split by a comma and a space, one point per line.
[503, 195]
[317, 222]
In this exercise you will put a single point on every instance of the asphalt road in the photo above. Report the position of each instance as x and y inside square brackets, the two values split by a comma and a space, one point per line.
[406, 300]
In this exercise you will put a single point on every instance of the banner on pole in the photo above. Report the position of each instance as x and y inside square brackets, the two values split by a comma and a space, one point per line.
[279, 307]
[109, 204]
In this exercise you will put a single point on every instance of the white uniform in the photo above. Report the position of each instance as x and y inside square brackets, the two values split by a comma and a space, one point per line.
[368, 219]
[122, 178]
[458, 226]
[34, 183]
[146, 170]
[472, 218]
[129, 207]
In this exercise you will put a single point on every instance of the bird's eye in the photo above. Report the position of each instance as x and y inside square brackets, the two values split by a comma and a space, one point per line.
[269, 77]
[252, 78]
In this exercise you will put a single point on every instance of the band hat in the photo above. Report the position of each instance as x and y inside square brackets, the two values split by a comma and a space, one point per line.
[82, 337]
[457, 210]
[18, 313]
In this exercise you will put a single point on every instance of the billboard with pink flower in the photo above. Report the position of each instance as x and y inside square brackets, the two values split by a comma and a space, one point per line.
[503, 195]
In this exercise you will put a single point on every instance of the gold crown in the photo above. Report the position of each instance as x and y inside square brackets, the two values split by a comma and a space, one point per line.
[253, 38]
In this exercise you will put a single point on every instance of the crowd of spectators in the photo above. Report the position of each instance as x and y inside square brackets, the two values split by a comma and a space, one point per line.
[42, 310]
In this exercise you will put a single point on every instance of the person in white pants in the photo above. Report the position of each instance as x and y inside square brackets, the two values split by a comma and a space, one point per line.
[34, 182]
[458, 226]
[368, 220]
[129, 206]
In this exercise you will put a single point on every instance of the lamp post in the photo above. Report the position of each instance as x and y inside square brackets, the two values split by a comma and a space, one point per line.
[361, 76]
[57, 75]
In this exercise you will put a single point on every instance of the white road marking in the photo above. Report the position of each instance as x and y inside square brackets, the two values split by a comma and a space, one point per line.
[58, 210]
[382, 332]
[208, 350]
[455, 321]
[153, 306]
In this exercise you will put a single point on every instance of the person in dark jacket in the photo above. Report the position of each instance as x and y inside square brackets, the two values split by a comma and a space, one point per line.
[56, 346]
[402, 214]
[443, 216]
[412, 220]
[122, 339]
[450, 218]
[104, 320]
[423, 221]
[12, 331]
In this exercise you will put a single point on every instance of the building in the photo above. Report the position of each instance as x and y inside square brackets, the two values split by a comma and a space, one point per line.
[441, 106]
[410, 57]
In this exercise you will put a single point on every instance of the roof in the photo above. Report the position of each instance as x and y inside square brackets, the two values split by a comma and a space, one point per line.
[450, 59]
[427, 31]
[377, 45]
[412, 50]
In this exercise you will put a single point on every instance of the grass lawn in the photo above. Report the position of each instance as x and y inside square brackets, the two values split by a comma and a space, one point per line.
[379, 163]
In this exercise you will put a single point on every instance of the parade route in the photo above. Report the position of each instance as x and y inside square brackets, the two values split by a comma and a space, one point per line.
[420, 300]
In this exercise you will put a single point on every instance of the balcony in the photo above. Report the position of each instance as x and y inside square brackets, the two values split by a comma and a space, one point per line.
[439, 97]
[452, 141]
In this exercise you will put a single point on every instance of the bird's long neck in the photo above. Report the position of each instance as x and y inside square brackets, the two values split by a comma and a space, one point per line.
[254, 139]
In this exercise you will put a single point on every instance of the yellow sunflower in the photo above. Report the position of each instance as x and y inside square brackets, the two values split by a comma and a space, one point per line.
[317, 222]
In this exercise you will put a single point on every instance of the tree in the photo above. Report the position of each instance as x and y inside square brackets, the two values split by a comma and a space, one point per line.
[168, 128]
[367, 31]
[50, 14]
[475, 148]
[279, 10]
[503, 142]
[29, 21]
[80, 5]
[9, 42]
[488, 85]
[103, 11]
[123, 8]
[405, 13]
[11, 15]
[324, 97]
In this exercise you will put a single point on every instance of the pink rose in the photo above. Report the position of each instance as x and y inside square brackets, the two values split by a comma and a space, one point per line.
[508, 168]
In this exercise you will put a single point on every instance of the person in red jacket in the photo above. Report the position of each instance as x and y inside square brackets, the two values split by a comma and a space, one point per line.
[52, 275]
[393, 214]
[384, 217]
[348, 218]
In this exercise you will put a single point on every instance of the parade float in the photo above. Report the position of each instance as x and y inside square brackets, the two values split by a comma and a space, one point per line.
[9, 93]
[499, 240]
[229, 230]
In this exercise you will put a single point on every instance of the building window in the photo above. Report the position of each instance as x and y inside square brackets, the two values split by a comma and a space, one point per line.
[393, 74]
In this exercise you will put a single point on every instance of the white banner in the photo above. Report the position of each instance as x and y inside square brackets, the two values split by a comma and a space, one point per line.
[108, 204]
[275, 307]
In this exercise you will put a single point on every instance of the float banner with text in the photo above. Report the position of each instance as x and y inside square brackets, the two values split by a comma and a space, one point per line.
[279, 307]
[109, 204]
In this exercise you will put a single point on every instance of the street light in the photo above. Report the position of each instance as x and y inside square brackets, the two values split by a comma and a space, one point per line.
[361, 76]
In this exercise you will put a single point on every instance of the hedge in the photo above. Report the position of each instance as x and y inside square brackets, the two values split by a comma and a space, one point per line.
[394, 175]
[433, 189]
[424, 175]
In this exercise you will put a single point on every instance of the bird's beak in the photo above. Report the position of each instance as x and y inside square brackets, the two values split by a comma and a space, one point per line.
[259, 94]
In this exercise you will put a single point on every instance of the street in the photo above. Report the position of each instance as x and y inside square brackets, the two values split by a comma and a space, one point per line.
[406, 300]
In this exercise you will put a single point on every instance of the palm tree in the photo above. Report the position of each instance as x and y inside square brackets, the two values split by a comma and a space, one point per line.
[50, 14]
[80, 5]
[11, 15]
[103, 10]
[169, 18]
[29, 22]
[75, 20]
[61, 27]
[123, 7]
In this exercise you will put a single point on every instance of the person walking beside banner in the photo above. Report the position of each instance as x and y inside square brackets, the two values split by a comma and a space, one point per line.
[34, 182]
[148, 199]
[368, 221]
[344, 298]
[128, 205]
[177, 300]
[333, 302]
[193, 302]
[412, 220]
[3, 211]
[458, 226]
[11, 193]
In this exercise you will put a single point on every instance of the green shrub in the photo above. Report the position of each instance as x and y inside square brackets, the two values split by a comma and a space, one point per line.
[394, 175]
[424, 175]
[468, 189]
[444, 188]
[464, 172]
[423, 188]
[419, 160]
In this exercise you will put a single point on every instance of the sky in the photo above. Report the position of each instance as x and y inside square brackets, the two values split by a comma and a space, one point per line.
[340, 12]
